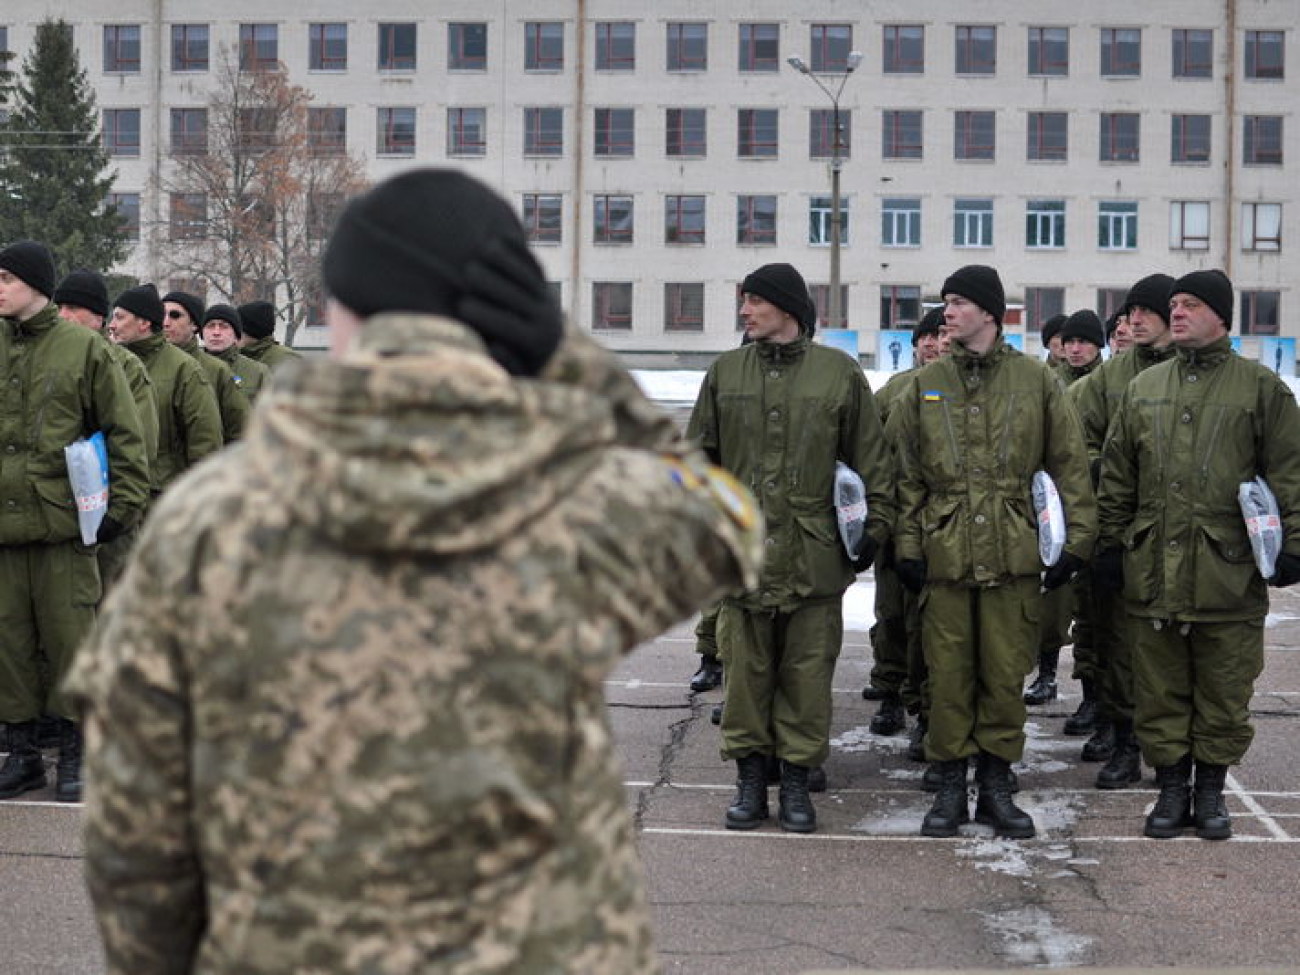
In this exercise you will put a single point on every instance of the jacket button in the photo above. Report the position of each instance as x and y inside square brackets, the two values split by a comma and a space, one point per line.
[1186, 418]
[979, 519]
[1173, 543]
[11, 449]
[1192, 378]
[1176, 485]
[774, 374]
[974, 411]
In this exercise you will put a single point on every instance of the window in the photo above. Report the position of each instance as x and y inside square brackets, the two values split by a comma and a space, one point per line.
[900, 305]
[327, 47]
[1045, 224]
[683, 220]
[821, 296]
[613, 219]
[759, 47]
[1109, 301]
[756, 133]
[1261, 226]
[543, 131]
[397, 47]
[1117, 225]
[1049, 137]
[1262, 140]
[822, 133]
[1041, 304]
[688, 47]
[543, 218]
[684, 307]
[122, 48]
[466, 131]
[466, 47]
[1049, 51]
[615, 132]
[611, 305]
[189, 47]
[396, 135]
[900, 222]
[1190, 139]
[259, 47]
[1259, 312]
[128, 208]
[322, 209]
[616, 46]
[977, 50]
[1265, 54]
[830, 45]
[1193, 53]
[685, 132]
[904, 49]
[900, 134]
[974, 135]
[756, 220]
[1121, 52]
[122, 131]
[972, 223]
[1189, 225]
[327, 130]
[188, 216]
[544, 46]
[819, 221]
[255, 129]
[189, 131]
[1119, 137]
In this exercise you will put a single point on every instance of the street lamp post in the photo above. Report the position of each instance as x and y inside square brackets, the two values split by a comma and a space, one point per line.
[835, 313]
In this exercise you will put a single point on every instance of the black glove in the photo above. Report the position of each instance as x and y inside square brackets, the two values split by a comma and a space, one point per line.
[1065, 569]
[868, 555]
[1108, 569]
[911, 573]
[1287, 570]
[508, 302]
[109, 529]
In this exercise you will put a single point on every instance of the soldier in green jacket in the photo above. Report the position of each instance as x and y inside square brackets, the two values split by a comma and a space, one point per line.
[259, 342]
[183, 315]
[222, 331]
[58, 383]
[778, 413]
[1187, 433]
[971, 430]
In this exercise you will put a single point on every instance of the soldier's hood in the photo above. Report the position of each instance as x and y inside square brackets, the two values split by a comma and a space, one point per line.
[416, 441]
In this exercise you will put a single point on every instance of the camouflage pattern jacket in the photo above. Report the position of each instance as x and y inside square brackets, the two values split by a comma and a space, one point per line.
[344, 712]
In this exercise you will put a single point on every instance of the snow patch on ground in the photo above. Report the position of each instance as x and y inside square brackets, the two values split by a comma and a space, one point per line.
[860, 739]
[1029, 936]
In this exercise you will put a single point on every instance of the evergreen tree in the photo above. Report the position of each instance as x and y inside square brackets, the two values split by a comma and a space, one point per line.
[54, 178]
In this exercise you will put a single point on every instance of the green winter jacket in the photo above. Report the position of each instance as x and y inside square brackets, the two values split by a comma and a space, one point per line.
[58, 383]
[779, 417]
[1072, 374]
[270, 353]
[146, 404]
[1097, 396]
[970, 433]
[231, 401]
[1186, 434]
[250, 375]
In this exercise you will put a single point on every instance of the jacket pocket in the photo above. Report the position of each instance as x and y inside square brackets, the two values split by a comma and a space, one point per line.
[1141, 561]
[1224, 571]
[58, 508]
[828, 569]
[945, 540]
[1019, 535]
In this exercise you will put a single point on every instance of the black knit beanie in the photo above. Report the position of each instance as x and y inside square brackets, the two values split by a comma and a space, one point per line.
[1212, 287]
[1052, 328]
[32, 262]
[143, 302]
[1151, 292]
[257, 318]
[85, 289]
[929, 324]
[228, 314]
[1084, 324]
[981, 284]
[784, 287]
[192, 305]
[407, 244]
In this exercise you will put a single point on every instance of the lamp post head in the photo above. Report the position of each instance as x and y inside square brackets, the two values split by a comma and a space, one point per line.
[854, 59]
[797, 63]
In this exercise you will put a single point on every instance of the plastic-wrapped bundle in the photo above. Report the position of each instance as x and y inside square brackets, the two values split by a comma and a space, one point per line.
[1263, 523]
[850, 508]
[1051, 518]
[88, 474]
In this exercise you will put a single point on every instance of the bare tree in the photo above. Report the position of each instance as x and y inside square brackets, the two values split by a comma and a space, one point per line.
[252, 188]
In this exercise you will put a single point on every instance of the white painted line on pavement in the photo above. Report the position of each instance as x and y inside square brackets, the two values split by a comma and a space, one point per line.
[38, 804]
[1249, 802]
[774, 832]
[1085, 791]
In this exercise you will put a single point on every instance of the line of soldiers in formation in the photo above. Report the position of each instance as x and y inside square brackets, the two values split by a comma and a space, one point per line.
[163, 401]
[1156, 587]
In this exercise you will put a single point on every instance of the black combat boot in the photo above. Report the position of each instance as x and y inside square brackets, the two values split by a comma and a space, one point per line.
[1101, 745]
[951, 807]
[772, 769]
[1084, 719]
[1210, 812]
[1043, 689]
[709, 676]
[67, 779]
[916, 740]
[749, 808]
[993, 806]
[817, 779]
[715, 716]
[1172, 812]
[891, 718]
[23, 769]
[873, 693]
[795, 811]
[1125, 765]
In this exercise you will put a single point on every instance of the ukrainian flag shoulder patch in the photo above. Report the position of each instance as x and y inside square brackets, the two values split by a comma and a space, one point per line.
[932, 396]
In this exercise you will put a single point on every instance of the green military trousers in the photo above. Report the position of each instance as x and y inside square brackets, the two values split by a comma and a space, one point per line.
[916, 691]
[888, 634]
[779, 665]
[1112, 641]
[48, 595]
[979, 645]
[1055, 615]
[1192, 684]
[1083, 632]
[706, 632]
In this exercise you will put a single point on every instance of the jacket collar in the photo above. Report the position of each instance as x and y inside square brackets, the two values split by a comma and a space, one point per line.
[1208, 356]
[778, 353]
[38, 324]
[1149, 355]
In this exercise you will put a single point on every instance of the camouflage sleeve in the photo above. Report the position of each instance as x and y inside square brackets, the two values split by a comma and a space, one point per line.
[1117, 485]
[200, 414]
[1067, 461]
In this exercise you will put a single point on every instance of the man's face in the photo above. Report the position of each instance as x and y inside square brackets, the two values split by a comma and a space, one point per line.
[218, 335]
[966, 320]
[1079, 352]
[18, 299]
[927, 348]
[1122, 337]
[177, 324]
[765, 322]
[81, 316]
[1192, 323]
[1148, 327]
[945, 338]
[124, 327]
[1055, 349]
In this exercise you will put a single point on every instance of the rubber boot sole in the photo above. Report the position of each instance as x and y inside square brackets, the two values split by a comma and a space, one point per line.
[1009, 832]
[30, 784]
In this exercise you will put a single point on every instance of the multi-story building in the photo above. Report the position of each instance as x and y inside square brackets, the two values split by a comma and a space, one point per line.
[659, 151]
